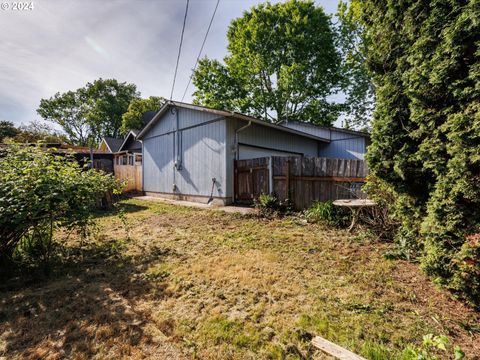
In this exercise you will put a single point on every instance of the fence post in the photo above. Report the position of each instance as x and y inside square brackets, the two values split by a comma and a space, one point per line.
[270, 175]
[235, 181]
[287, 179]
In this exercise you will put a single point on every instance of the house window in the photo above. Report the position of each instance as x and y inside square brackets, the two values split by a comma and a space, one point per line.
[124, 160]
[130, 159]
[138, 159]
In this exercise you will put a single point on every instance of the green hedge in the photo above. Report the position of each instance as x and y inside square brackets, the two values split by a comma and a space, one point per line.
[426, 130]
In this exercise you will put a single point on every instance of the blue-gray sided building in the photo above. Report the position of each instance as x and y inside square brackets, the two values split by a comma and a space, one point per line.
[188, 150]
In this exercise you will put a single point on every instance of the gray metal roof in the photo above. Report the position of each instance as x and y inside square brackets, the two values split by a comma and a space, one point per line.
[315, 126]
[227, 115]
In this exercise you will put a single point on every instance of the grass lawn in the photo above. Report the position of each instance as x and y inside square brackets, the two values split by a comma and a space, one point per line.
[171, 282]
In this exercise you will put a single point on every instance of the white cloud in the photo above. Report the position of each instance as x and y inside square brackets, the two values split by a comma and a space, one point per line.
[61, 45]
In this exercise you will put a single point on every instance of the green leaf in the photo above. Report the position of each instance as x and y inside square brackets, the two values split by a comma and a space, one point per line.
[459, 354]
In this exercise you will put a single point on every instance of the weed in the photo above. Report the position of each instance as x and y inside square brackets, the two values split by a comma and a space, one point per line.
[431, 346]
[269, 206]
[327, 213]
[123, 218]
[364, 236]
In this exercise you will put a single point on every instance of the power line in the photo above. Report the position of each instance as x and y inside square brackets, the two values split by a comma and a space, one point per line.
[179, 49]
[201, 49]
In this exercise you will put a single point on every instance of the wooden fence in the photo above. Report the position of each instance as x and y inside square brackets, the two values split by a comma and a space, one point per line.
[303, 180]
[132, 174]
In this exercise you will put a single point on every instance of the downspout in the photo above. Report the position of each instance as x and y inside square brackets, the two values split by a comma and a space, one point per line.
[178, 144]
[175, 140]
[143, 168]
[237, 148]
[178, 164]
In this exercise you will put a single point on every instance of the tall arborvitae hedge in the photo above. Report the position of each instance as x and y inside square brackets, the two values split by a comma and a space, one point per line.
[426, 130]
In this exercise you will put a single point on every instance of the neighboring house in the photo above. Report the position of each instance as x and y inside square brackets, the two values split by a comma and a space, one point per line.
[188, 150]
[110, 145]
[130, 150]
[99, 159]
[127, 159]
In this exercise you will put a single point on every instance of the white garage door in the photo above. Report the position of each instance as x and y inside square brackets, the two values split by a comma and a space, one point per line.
[252, 152]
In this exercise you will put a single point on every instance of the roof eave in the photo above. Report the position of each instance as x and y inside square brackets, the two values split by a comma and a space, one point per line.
[106, 143]
[153, 121]
[125, 140]
[226, 114]
[346, 131]
[279, 127]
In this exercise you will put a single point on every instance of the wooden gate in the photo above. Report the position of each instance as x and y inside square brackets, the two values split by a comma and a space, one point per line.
[251, 179]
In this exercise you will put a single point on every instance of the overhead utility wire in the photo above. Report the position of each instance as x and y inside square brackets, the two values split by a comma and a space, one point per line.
[179, 49]
[201, 49]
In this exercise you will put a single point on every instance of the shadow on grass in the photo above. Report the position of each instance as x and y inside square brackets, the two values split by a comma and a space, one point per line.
[88, 306]
[127, 208]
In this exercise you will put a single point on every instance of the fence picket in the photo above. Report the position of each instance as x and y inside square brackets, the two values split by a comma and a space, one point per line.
[302, 179]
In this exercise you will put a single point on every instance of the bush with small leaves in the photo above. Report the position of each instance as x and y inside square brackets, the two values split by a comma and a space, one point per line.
[40, 192]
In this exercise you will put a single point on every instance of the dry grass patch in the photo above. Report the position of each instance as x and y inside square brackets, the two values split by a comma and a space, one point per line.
[197, 283]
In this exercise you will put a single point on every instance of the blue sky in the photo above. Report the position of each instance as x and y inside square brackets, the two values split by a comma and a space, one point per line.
[62, 44]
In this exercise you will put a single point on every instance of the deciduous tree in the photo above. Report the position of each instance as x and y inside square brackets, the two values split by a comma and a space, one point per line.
[107, 101]
[92, 112]
[7, 130]
[69, 111]
[37, 131]
[133, 117]
[353, 44]
[282, 64]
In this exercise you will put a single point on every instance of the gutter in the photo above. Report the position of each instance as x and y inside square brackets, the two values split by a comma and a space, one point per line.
[237, 148]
